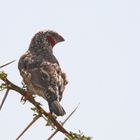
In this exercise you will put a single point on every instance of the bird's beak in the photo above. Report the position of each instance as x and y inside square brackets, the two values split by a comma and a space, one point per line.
[59, 38]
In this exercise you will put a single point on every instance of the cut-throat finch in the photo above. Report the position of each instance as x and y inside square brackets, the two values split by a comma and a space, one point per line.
[41, 71]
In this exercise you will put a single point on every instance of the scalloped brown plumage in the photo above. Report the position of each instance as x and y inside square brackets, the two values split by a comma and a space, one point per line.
[41, 71]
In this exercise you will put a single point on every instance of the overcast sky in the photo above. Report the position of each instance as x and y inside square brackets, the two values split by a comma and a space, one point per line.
[101, 56]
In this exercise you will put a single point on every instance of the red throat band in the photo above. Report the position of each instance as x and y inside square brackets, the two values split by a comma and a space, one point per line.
[51, 40]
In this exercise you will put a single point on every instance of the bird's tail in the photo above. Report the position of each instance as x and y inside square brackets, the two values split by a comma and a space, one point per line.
[56, 108]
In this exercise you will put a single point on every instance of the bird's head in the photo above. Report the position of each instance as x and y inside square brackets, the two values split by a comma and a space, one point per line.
[45, 39]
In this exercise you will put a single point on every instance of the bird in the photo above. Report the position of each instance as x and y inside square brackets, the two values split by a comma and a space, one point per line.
[41, 71]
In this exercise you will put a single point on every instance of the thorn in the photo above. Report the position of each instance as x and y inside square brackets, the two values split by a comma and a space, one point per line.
[29, 125]
[70, 114]
[4, 98]
[7, 64]
[63, 122]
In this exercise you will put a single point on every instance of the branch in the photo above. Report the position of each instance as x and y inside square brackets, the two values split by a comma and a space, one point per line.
[21, 91]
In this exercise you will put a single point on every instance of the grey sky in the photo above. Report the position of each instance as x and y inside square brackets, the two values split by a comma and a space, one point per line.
[100, 56]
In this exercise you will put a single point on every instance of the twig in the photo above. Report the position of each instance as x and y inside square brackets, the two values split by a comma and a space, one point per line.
[54, 133]
[29, 125]
[7, 64]
[4, 98]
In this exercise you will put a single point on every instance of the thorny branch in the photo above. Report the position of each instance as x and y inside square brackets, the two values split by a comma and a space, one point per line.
[14, 87]
[8, 85]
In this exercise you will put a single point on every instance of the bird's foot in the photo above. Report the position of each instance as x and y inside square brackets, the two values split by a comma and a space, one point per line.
[26, 96]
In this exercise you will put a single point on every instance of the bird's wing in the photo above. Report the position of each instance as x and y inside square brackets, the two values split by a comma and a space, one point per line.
[49, 77]
[23, 61]
[46, 76]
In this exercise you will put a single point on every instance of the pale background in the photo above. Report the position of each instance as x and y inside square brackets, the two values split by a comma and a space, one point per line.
[101, 56]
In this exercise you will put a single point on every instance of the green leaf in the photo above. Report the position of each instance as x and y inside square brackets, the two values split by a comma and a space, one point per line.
[2, 75]
[78, 136]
